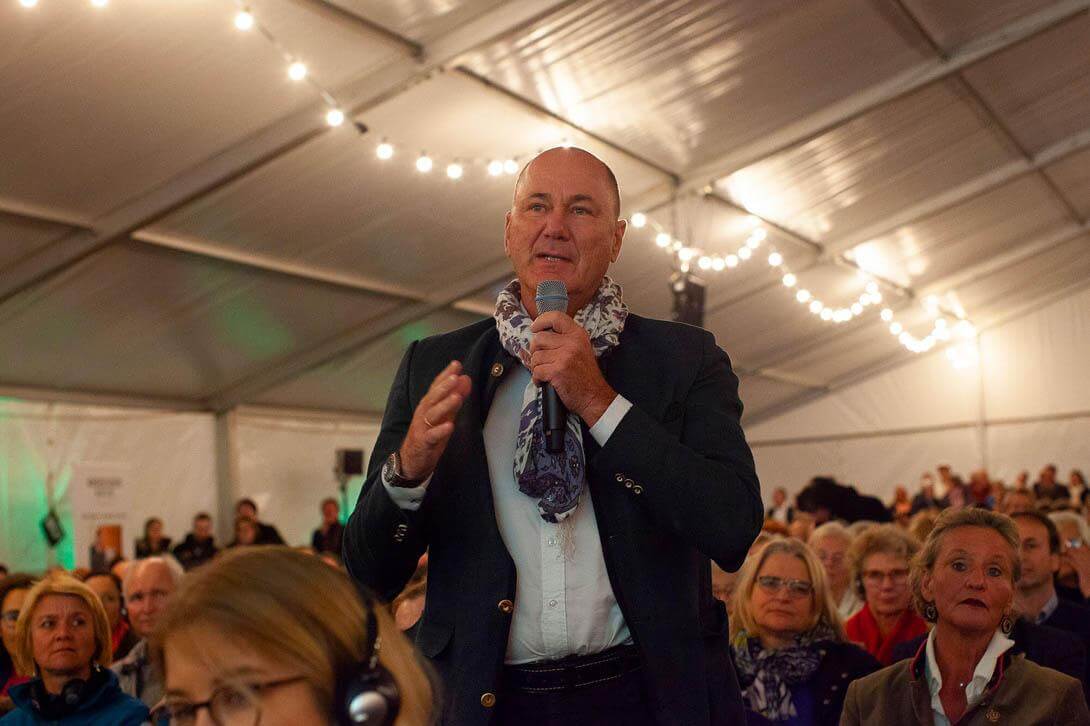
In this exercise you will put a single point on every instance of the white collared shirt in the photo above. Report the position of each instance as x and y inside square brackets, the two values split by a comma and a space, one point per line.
[982, 675]
[561, 607]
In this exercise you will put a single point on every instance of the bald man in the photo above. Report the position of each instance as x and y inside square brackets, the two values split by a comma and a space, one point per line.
[573, 587]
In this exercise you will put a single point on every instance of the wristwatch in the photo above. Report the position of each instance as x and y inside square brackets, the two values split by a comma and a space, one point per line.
[391, 473]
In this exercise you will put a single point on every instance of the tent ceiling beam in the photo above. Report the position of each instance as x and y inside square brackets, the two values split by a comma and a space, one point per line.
[882, 93]
[272, 142]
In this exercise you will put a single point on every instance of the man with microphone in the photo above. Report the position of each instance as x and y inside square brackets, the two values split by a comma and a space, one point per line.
[569, 538]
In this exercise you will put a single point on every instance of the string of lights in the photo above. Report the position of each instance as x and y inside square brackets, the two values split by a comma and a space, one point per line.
[685, 255]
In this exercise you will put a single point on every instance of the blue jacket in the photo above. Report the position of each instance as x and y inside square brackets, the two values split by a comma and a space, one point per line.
[105, 705]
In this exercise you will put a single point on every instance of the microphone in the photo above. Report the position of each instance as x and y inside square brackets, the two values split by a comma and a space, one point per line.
[552, 296]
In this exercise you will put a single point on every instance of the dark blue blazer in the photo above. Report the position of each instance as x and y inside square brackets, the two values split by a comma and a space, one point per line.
[674, 486]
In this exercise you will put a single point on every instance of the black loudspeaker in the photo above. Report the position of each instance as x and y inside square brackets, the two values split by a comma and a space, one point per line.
[349, 462]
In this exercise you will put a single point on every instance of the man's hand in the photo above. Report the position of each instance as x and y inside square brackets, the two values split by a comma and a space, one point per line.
[433, 422]
[561, 354]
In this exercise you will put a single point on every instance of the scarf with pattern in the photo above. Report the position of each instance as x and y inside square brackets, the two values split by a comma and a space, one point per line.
[555, 480]
[767, 676]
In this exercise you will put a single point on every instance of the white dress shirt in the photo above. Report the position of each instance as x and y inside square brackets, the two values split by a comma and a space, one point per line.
[982, 676]
[562, 607]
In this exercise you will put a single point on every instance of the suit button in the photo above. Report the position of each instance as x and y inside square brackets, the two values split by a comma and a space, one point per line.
[497, 370]
[637, 489]
[628, 483]
[620, 477]
[506, 606]
[488, 700]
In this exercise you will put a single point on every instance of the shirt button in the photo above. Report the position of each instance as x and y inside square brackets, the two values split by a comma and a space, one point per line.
[488, 700]
[506, 606]
[552, 603]
[628, 483]
[552, 541]
[620, 477]
[637, 489]
[497, 371]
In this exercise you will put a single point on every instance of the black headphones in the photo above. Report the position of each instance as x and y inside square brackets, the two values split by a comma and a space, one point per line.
[368, 694]
[72, 694]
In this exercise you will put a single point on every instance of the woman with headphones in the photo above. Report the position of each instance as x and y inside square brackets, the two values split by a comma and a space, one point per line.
[273, 636]
[63, 637]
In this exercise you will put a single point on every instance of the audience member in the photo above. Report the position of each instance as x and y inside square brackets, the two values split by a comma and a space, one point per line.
[108, 589]
[1048, 490]
[149, 583]
[831, 542]
[802, 524]
[118, 567]
[901, 506]
[302, 633]
[981, 492]
[925, 498]
[922, 523]
[13, 590]
[266, 533]
[246, 532]
[794, 664]
[199, 545]
[1021, 482]
[153, 542]
[963, 582]
[328, 537]
[781, 510]
[102, 554]
[63, 637]
[1017, 500]
[826, 500]
[957, 492]
[1076, 485]
[1073, 576]
[880, 567]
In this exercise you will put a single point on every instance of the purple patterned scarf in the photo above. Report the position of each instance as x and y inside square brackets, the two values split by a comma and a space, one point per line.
[555, 480]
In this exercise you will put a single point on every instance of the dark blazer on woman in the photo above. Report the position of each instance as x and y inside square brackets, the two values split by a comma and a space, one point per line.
[674, 486]
[841, 663]
[1021, 693]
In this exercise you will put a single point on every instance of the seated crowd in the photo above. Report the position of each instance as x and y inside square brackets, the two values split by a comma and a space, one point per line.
[966, 609]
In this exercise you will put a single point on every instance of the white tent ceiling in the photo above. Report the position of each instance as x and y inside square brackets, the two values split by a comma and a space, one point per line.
[178, 226]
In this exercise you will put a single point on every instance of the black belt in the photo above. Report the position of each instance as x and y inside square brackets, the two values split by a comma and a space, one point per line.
[572, 672]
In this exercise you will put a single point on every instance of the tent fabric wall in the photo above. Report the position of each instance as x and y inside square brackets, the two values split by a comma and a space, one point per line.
[286, 465]
[170, 456]
[1025, 404]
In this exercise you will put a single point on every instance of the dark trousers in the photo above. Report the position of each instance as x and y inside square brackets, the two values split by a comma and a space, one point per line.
[622, 700]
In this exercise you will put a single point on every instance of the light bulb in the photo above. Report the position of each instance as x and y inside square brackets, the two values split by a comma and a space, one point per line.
[718, 264]
[424, 163]
[745, 253]
[789, 280]
[686, 253]
[816, 307]
[297, 71]
[495, 168]
[775, 259]
[758, 234]
[887, 314]
[384, 151]
[872, 287]
[732, 261]
[662, 239]
[28, 3]
[244, 20]
[857, 309]
[905, 339]
[99, 3]
[510, 166]
[895, 328]
[705, 263]
[639, 219]
[454, 171]
[802, 295]
[753, 243]
[826, 314]
[876, 297]
[334, 117]
[940, 323]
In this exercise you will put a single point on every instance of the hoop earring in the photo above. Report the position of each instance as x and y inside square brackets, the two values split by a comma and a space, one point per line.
[1006, 624]
[930, 613]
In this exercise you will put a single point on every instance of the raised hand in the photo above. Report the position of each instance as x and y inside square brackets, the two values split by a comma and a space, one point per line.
[433, 422]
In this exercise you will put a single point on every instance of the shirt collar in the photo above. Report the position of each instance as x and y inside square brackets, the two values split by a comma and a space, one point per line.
[982, 675]
[1049, 608]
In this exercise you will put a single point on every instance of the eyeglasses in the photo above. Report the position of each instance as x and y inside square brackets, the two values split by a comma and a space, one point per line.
[230, 705]
[877, 577]
[795, 588]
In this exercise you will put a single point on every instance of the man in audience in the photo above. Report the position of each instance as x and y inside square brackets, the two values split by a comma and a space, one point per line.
[329, 536]
[1036, 597]
[1017, 500]
[830, 543]
[149, 583]
[781, 510]
[1048, 490]
[925, 498]
[266, 533]
[199, 545]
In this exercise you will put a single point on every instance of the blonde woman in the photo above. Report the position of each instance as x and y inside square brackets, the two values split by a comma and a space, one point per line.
[794, 664]
[62, 636]
[963, 582]
[273, 636]
[880, 567]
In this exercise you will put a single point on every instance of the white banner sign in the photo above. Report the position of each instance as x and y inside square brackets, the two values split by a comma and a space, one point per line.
[100, 496]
